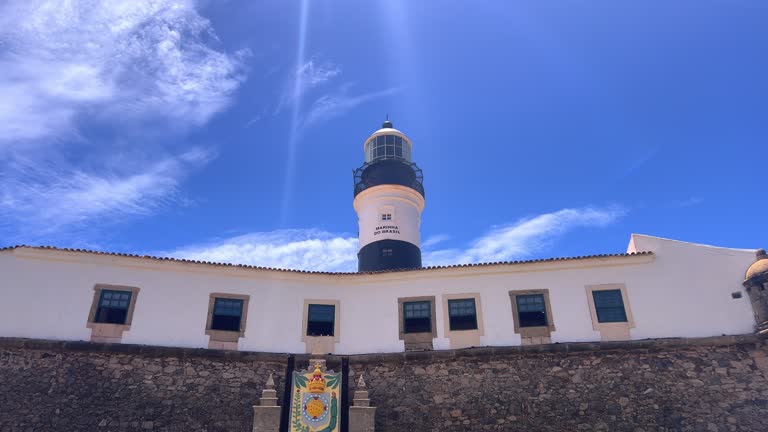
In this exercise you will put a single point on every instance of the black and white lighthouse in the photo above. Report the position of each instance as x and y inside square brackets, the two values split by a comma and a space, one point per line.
[389, 199]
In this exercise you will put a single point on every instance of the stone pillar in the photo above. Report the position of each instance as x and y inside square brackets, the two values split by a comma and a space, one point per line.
[266, 416]
[362, 415]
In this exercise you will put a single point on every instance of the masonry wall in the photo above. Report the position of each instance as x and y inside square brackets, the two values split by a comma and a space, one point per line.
[632, 387]
[708, 384]
[69, 387]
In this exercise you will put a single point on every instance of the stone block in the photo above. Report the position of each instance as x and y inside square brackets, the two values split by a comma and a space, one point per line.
[266, 419]
[221, 345]
[268, 402]
[362, 419]
[361, 402]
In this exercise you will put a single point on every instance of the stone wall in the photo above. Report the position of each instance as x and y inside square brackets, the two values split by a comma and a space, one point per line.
[718, 384]
[713, 384]
[53, 386]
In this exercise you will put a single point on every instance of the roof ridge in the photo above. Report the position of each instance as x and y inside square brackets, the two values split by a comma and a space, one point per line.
[255, 267]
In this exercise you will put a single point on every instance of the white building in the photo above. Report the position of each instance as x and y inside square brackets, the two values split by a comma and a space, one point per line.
[659, 288]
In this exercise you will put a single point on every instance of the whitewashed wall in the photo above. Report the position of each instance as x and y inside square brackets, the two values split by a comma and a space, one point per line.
[683, 290]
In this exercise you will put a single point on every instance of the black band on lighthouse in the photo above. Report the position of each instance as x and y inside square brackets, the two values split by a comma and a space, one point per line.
[388, 255]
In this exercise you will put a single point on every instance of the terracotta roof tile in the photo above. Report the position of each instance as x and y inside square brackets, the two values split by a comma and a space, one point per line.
[181, 260]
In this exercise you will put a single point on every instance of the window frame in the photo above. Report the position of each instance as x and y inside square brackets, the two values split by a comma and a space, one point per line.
[532, 333]
[309, 321]
[327, 341]
[611, 331]
[597, 293]
[226, 339]
[450, 314]
[463, 338]
[543, 305]
[388, 145]
[429, 310]
[109, 332]
[416, 340]
[98, 289]
[216, 301]
[101, 308]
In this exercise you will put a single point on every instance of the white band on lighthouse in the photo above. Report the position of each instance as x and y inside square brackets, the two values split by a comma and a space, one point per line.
[389, 212]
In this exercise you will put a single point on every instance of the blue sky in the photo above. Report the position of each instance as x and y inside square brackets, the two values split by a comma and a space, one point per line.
[228, 130]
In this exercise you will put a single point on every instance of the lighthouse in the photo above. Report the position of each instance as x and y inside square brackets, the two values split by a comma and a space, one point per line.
[389, 199]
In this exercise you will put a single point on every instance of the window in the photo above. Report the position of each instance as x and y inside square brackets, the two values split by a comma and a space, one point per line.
[321, 319]
[531, 310]
[611, 311]
[532, 315]
[320, 325]
[387, 147]
[609, 306]
[227, 320]
[227, 314]
[462, 314]
[386, 217]
[386, 252]
[113, 307]
[462, 319]
[111, 312]
[417, 326]
[417, 317]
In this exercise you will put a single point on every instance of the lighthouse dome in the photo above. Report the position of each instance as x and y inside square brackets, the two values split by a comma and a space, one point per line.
[387, 143]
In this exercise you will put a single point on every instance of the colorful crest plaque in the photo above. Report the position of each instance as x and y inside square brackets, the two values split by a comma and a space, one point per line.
[315, 401]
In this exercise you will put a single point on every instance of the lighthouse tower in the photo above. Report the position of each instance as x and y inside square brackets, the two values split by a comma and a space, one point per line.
[389, 199]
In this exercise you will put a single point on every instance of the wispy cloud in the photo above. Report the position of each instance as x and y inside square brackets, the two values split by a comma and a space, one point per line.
[62, 61]
[255, 119]
[68, 68]
[288, 249]
[639, 162]
[307, 76]
[41, 199]
[524, 237]
[434, 240]
[333, 105]
[324, 251]
[305, 83]
[690, 202]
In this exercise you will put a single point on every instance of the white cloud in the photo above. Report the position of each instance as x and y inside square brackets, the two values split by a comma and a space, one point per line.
[524, 237]
[312, 75]
[307, 76]
[44, 198]
[334, 105]
[434, 240]
[69, 65]
[323, 251]
[101, 59]
[288, 249]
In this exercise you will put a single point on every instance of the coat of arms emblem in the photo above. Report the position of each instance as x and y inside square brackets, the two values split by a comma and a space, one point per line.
[315, 401]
